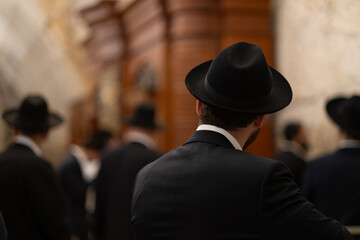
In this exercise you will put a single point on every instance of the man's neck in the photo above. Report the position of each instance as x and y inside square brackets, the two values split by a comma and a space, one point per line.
[296, 148]
[29, 142]
[241, 135]
[38, 140]
[222, 131]
[136, 135]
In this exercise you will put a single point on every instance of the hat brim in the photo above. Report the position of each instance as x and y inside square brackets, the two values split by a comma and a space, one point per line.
[152, 126]
[332, 109]
[281, 94]
[11, 117]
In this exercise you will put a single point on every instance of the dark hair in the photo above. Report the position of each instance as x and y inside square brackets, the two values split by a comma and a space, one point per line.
[32, 131]
[98, 140]
[291, 130]
[355, 134]
[228, 120]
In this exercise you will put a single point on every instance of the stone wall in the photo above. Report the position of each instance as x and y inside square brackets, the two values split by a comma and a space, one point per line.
[318, 50]
[37, 55]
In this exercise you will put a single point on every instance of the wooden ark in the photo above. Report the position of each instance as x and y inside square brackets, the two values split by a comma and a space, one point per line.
[161, 40]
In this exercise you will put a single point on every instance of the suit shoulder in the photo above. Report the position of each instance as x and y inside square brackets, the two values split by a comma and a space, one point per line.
[24, 158]
[251, 159]
[283, 155]
[113, 154]
[68, 162]
[234, 159]
[34, 166]
[157, 160]
[128, 152]
[320, 160]
[41, 163]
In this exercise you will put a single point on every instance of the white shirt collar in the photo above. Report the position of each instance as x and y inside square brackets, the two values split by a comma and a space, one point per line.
[349, 143]
[295, 148]
[26, 141]
[222, 131]
[89, 169]
[136, 136]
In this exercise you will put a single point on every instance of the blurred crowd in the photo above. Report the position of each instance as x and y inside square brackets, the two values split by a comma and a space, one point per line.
[89, 194]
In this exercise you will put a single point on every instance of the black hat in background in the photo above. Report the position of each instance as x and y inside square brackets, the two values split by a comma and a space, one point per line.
[239, 79]
[144, 117]
[32, 114]
[98, 140]
[345, 112]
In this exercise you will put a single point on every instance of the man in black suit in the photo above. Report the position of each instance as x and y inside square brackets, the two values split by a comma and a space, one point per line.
[31, 201]
[118, 171]
[3, 230]
[332, 182]
[294, 151]
[209, 188]
[77, 174]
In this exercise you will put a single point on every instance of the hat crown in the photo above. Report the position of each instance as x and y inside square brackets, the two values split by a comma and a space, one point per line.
[345, 112]
[240, 80]
[33, 108]
[144, 116]
[244, 74]
[351, 112]
[32, 114]
[145, 113]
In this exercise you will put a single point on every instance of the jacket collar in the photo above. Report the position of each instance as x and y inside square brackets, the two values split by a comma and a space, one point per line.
[223, 132]
[210, 137]
[28, 142]
[140, 137]
[349, 143]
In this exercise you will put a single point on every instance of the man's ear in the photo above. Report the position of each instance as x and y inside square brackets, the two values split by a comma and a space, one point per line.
[198, 107]
[259, 121]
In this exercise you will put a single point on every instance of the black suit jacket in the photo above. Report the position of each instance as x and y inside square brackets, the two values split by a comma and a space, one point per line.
[75, 188]
[31, 201]
[296, 164]
[208, 190]
[332, 183]
[3, 230]
[115, 183]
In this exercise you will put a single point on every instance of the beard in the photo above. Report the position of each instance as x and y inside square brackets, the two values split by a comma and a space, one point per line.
[251, 139]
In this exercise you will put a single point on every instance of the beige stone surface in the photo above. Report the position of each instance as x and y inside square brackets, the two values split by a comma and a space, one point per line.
[318, 50]
[39, 54]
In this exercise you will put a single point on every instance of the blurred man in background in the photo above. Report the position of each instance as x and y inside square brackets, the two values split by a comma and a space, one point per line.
[3, 230]
[332, 182]
[118, 171]
[31, 199]
[77, 174]
[293, 153]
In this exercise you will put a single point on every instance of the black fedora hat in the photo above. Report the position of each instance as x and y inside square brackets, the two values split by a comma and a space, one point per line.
[239, 79]
[345, 112]
[144, 117]
[32, 114]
